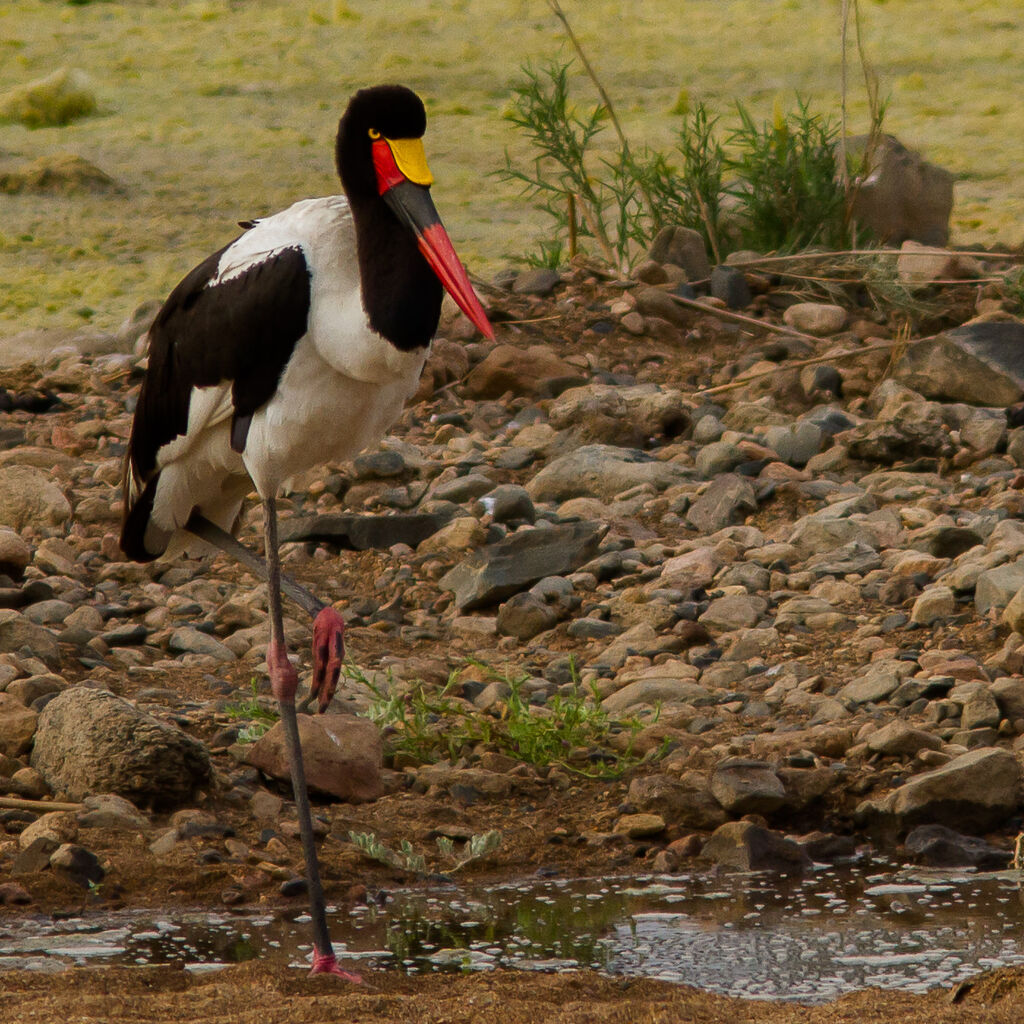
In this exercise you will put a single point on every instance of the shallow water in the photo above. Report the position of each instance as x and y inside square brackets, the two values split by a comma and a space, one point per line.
[760, 936]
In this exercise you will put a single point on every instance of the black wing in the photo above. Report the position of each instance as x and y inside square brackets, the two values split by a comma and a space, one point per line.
[241, 330]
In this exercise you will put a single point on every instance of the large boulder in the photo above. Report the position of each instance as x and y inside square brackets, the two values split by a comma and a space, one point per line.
[902, 196]
[91, 741]
[981, 363]
[974, 792]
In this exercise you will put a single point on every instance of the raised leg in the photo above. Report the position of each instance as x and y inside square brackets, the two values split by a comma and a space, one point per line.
[328, 627]
[284, 682]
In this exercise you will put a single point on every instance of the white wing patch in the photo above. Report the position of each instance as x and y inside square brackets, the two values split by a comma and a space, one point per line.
[206, 408]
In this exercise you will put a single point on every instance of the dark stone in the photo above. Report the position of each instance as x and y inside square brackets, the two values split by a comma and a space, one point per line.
[728, 499]
[294, 887]
[496, 572]
[744, 846]
[941, 847]
[828, 379]
[730, 285]
[77, 863]
[539, 281]
[361, 533]
[125, 636]
[379, 465]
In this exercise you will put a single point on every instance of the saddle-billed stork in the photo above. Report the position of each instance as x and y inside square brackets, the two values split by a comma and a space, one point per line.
[296, 344]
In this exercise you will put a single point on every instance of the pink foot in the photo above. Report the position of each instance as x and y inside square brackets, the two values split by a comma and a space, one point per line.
[328, 964]
[284, 680]
[328, 655]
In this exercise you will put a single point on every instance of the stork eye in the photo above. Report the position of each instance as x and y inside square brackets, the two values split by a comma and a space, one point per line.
[374, 134]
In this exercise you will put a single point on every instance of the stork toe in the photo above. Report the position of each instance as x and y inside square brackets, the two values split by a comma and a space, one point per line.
[328, 964]
[328, 656]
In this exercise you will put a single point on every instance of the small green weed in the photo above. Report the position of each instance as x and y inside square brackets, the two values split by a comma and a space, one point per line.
[571, 730]
[406, 858]
[787, 182]
[260, 718]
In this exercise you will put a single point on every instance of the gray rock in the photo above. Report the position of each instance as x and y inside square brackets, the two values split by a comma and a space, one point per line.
[747, 787]
[975, 791]
[743, 846]
[623, 416]
[108, 810]
[1009, 694]
[186, 640]
[524, 615]
[379, 465]
[463, 488]
[795, 445]
[682, 247]
[727, 500]
[600, 471]
[360, 533]
[730, 285]
[717, 457]
[593, 629]
[874, 685]
[817, 318]
[498, 571]
[813, 536]
[89, 741]
[656, 690]
[538, 281]
[978, 363]
[686, 801]
[17, 634]
[734, 611]
[997, 587]
[509, 503]
[899, 739]
[936, 846]
[855, 557]
[28, 497]
[935, 604]
[980, 710]
[80, 865]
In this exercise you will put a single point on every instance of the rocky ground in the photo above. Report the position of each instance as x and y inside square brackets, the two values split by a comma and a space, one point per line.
[776, 545]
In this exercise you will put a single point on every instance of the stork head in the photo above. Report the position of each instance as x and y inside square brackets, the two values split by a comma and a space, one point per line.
[380, 157]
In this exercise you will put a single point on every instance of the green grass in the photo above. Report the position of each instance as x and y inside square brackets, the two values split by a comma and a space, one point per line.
[571, 730]
[211, 112]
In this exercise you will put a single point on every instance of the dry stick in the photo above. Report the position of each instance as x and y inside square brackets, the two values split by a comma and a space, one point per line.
[796, 257]
[556, 9]
[19, 804]
[800, 363]
[725, 314]
[571, 199]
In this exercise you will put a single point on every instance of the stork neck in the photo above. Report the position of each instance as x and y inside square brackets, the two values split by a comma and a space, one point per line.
[401, 294]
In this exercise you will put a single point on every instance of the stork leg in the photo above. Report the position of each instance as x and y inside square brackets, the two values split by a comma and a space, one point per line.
[284, 683]
[328, 627]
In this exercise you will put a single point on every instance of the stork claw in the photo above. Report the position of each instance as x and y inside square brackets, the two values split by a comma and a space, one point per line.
[328, 656]
[328, 964]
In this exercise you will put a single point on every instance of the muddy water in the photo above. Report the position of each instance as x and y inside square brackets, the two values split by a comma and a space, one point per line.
[805, 939]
